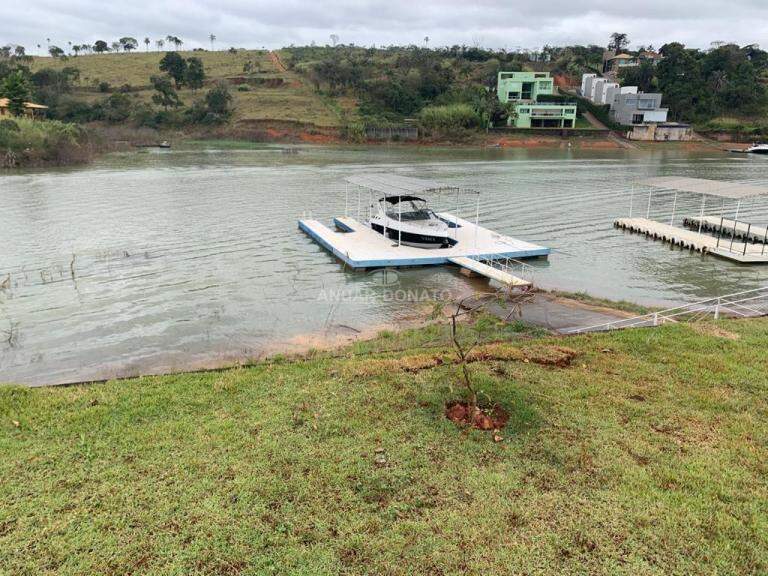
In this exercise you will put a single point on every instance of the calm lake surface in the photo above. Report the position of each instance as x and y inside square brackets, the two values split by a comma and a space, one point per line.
[192, 257]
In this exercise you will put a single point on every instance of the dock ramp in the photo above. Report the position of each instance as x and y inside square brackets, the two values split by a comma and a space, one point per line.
[497, 273]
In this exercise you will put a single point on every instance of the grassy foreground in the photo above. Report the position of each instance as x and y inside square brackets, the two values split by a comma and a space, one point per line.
[646, 456]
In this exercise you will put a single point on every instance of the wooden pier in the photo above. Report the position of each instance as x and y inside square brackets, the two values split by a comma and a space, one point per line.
[359, 246]
[742, 252]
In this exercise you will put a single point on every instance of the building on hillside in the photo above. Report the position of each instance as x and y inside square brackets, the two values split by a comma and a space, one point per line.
[31, 110]
[662, 132]
[525, 90]
[606, 93]
[630, 109]
[614, 63]
[650, 56]
[586, 83]
[523, 85]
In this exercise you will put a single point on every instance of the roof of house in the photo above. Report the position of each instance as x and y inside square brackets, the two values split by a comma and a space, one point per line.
[30, 105]
[621, 56]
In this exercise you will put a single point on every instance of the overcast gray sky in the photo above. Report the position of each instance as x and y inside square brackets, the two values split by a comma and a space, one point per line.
[492, 23]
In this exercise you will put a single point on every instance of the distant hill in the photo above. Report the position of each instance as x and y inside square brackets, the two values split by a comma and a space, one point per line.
[262, 88]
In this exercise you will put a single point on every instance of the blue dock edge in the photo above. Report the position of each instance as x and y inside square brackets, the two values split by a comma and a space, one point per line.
[400, 262]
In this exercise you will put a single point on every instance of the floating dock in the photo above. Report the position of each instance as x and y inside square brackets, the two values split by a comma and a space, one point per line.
[742, 252]
[728, 228]
[359, 246]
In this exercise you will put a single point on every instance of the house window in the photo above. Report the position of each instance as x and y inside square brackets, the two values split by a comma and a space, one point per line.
[513, 96]
[527, 90]
[524, 110]
[637, 118]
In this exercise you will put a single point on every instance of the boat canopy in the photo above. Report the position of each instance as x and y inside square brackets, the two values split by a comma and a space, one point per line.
[719, 188]
[397, 199]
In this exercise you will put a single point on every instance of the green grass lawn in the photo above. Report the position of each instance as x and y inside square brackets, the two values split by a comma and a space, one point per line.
[646, 456]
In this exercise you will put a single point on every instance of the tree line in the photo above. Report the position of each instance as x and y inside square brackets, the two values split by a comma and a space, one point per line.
[54, 88]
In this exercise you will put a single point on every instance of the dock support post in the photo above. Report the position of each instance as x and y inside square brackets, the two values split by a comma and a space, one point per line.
[385, 215]
[701, 216]
[746, 238]
[733, 236]
[648, 211]
[400, 219]
[674, 207]
[456, 217]
[719, 232]
[717, 309]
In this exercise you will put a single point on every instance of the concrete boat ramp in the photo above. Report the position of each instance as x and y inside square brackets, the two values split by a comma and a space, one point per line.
[476, 248]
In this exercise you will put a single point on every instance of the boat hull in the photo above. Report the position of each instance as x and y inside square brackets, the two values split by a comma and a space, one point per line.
[413, 239]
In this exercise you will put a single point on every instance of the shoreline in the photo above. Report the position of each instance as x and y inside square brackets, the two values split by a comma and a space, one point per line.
[543, 314]
[104, 139]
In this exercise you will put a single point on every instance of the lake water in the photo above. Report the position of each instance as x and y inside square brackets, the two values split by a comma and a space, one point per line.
[165, 260]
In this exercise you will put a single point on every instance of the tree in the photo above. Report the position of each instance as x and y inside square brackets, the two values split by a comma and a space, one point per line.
[55, 52]
[642, 76]
[219, 100]
[334, 39]
[76, 49]
[128, 43]
[213, 39]
[175, 40]
[175, 66]
[147, 42]
[116, 46]
[16, 88]
[195, 73]
[160, 43]
[100, 47]
[619, 42]
[165, 95]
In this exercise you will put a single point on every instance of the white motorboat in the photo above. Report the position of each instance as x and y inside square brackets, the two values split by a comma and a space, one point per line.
[408, 220]
[757, 149]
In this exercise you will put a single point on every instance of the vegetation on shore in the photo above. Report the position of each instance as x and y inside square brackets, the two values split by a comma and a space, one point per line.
[24, 142]
[645, 455]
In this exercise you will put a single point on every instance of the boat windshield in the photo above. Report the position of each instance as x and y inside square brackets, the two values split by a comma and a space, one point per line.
[409, 210]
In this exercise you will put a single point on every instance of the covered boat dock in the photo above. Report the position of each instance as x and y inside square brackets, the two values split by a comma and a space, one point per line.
[729, 238]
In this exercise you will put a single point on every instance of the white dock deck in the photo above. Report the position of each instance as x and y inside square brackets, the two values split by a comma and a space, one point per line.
[361, 247]
[729, 227]
[745, 253]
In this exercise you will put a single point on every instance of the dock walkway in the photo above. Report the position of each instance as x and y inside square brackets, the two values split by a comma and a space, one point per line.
[745, 253]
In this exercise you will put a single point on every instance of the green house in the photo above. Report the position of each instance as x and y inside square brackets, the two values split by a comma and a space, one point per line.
[525, 90]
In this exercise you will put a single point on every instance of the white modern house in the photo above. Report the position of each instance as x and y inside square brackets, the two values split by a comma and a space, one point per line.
[631, 109]
[629, 106]
[586, 83]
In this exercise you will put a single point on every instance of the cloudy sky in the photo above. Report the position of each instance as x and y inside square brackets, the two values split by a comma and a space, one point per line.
[493, 23]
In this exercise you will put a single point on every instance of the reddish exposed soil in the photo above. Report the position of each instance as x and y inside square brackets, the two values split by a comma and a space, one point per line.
[483, 419]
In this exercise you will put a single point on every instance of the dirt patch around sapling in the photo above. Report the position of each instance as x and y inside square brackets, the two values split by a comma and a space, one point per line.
[460, 413]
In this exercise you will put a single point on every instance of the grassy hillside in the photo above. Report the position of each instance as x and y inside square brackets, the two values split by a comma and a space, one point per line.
[274, 93]
[647, 455]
